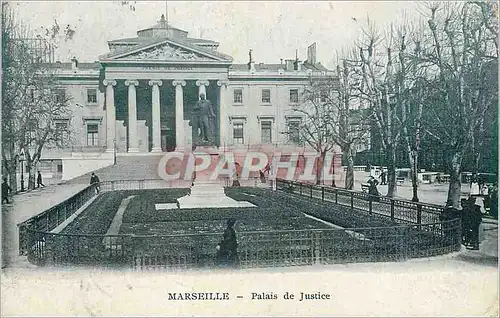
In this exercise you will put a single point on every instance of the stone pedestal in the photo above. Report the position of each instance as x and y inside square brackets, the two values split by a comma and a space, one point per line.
[209, 194]
[206, 193]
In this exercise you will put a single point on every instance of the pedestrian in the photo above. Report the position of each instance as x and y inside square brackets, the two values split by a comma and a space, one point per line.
[383, 177]
[262, 176]
[474, 185]
[39, 180]
[94, 181]
[227, 250]
[5, 191]
[465, 222]
[372, 189]
[475, 222]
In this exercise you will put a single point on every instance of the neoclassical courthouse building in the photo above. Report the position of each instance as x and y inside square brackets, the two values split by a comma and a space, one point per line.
[137, 99]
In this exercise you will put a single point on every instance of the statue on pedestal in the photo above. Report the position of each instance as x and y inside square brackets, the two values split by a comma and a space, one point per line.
[202, 117]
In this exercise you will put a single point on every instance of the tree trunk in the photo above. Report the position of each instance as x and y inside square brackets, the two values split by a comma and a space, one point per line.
[31, 174]
[391, 171]
[455, 188]
[349, 175]
[319, 166]
[414, 175]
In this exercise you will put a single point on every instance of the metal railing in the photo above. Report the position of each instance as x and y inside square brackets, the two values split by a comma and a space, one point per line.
[53, 217]
[418, 236]
[403, 211]
[255, 249]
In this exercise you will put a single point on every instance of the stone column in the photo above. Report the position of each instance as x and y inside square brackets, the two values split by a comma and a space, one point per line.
[222, 113]
[133, 145]
[110, 115]
[202, 87]
[155, 114]
[179, 115]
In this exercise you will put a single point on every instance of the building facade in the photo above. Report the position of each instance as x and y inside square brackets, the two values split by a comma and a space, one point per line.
[138, 99]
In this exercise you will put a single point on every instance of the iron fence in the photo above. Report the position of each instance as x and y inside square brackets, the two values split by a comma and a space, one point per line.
[53, 217]
[402, 211]
[419, 234]
[255, 249]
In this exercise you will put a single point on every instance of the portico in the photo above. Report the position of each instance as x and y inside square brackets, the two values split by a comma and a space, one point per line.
[151, 90]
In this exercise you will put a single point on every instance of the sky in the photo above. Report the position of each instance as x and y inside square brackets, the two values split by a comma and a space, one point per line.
[272, 29]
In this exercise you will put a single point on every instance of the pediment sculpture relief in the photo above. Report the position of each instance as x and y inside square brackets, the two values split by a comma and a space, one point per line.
[166, 53]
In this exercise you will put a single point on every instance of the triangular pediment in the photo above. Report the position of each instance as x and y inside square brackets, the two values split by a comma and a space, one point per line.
[167, 50]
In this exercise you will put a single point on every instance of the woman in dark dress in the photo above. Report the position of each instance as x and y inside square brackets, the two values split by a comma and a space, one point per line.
[372, 189]
[227, 254]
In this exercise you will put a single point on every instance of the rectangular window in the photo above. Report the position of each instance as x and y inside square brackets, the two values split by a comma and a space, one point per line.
[266, 132]
[294, 96]
[59, 168]
[62, 133]
[91, 96]
[294, 131]
[92, 134]
[266, 96]
[60, 95]
[238, 96]
[238, 133]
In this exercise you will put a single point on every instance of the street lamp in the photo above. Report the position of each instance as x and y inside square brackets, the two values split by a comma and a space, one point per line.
[114, 151]
[21, 159]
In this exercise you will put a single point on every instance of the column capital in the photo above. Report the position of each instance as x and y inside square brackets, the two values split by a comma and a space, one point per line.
[109, 82]
[132, 82]
[155, 82]
[202, 82]
[178, 82]
[223, 82]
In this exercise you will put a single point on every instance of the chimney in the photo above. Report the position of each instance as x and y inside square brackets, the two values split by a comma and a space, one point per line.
[251, 62]
[289, 65]
[296, 63]
[311, 54]
[281, 61]
[74, 64]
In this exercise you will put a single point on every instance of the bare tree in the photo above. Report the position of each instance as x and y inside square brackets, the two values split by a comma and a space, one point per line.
[460, 50]
[377, 88]
[316, 128]
[32, 104]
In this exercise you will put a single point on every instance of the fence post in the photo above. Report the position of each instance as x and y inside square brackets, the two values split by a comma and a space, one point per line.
[323, 193]
[300, 187]
[317, 245]
[336, 196]
[419, 214]
[370, 203]
[392, 209]
[352, 200]
[311, 191]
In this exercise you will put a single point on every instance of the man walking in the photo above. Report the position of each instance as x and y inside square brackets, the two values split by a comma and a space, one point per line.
[383, 178]
[39, 180]
[94, 180]
[5, 191]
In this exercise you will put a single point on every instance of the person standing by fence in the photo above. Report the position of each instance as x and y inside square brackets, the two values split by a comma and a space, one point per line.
[227, 254]
[5, 191]
[94, 180]
[372, 189]
[475, 222]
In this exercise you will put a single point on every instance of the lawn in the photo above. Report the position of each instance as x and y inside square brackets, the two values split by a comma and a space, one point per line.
[275, 231]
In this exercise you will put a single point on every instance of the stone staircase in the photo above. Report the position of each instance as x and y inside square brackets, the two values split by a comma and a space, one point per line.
[126, 168]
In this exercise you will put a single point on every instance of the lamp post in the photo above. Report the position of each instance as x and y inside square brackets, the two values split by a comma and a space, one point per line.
[114, 151]
[21, 159]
